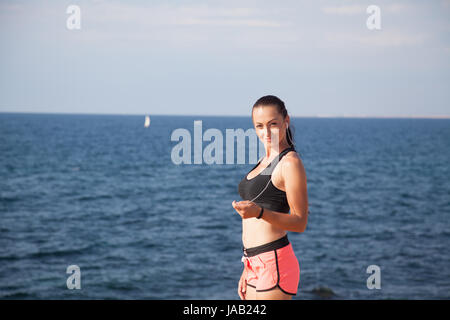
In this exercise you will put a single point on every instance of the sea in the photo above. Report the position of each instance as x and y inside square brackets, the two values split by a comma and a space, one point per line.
[103, 194]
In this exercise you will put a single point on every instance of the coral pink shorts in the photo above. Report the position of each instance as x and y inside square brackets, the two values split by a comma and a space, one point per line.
[272, 265]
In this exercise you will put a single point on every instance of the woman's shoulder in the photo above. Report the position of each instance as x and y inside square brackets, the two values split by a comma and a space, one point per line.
[292, 162]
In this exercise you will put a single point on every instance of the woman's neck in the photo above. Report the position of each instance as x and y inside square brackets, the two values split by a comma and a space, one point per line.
[273, 150]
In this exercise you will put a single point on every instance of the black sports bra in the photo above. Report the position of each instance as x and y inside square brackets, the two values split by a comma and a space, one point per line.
[267, 195]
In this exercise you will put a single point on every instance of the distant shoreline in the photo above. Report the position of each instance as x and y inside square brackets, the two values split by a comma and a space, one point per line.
[385, 117]
[330, 116]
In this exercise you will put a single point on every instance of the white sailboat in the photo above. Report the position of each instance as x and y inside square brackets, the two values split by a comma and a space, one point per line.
[147, 121]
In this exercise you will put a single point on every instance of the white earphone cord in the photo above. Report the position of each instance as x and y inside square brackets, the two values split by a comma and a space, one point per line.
[265, 186]
[262, 190]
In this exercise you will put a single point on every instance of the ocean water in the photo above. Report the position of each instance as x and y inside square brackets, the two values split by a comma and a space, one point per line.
[101, 192]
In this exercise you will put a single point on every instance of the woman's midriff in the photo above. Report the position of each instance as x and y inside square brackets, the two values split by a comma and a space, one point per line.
[257, 232]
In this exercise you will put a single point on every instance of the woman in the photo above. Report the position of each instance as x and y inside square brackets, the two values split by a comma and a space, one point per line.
[275, 186]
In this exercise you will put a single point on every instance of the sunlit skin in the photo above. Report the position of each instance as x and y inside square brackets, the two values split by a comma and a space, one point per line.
[289, 175]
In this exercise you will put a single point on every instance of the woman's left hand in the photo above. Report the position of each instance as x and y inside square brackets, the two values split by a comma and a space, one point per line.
[246, 209]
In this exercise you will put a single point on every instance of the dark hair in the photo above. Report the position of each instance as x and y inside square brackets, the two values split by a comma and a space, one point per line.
[279, 104]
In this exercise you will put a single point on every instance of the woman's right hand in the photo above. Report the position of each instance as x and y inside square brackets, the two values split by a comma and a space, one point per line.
[242, 286]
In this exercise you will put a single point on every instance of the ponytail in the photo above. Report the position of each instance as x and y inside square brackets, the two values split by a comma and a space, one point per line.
[289, 137]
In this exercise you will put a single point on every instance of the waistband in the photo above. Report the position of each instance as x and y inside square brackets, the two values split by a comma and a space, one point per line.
[274, 245]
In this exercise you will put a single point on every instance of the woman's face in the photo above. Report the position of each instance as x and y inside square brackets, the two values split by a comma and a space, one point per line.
[269, 124]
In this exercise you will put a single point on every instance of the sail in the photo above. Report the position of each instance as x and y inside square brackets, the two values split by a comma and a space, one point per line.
[147, 121]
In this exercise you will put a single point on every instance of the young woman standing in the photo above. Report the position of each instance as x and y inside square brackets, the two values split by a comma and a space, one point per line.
[272, 189]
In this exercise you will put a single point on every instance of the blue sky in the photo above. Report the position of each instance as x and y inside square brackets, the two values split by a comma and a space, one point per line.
[218, 57]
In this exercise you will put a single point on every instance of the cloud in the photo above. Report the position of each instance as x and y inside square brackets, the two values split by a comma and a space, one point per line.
[350, 10]
[193, 26]
[396, 8]
[228, 22]
[226, 25]
[344, 10]
[392, 39]
[175, 15]
[379, 39]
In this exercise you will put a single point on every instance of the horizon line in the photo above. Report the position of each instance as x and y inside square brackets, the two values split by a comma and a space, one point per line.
[240, 115]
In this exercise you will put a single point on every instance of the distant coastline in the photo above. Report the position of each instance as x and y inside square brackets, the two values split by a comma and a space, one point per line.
[385, 117]
[222, 115]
